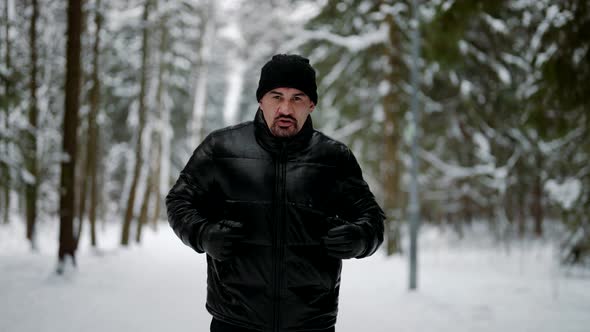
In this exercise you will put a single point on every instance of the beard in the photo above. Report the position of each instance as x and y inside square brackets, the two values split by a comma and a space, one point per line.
[279, 130]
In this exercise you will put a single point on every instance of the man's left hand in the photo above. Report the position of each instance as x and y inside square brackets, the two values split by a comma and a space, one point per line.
[345, 241]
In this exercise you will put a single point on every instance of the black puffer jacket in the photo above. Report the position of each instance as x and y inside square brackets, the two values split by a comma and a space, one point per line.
[283, 191]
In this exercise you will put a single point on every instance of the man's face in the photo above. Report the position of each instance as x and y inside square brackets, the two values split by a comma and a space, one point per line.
[285, 110]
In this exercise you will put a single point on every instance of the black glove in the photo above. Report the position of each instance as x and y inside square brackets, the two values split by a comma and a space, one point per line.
[219, 239]
[345, 241]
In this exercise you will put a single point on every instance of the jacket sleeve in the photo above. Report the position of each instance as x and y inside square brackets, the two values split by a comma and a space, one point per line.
[187, 203]
[360, 206]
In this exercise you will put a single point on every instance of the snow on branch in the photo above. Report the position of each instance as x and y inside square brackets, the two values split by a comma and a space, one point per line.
[456, 171]
[353, 44]
[565, 193]
[554, 146]
[498, 174]
[348, 130]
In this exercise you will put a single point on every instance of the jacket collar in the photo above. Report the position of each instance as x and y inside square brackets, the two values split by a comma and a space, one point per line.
[276, 145]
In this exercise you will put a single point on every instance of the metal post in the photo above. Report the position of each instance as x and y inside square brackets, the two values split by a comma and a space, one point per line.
[414, 207]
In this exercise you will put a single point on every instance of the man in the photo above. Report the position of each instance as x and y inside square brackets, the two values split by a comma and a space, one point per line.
[276, 205]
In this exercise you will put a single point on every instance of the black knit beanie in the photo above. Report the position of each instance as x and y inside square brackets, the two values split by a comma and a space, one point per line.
[288, 71]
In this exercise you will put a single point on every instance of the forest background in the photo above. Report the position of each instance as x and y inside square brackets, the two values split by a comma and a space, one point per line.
[102, 103]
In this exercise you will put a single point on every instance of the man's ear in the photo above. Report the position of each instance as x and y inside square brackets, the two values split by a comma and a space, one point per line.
[312, 107]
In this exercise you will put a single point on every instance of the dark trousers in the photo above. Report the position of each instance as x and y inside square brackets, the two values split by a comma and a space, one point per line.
[219, 326]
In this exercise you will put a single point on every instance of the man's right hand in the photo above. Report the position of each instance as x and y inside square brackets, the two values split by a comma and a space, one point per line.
[219, 239]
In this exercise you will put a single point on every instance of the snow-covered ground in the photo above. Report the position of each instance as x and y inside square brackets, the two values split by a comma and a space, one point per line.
[468, 285]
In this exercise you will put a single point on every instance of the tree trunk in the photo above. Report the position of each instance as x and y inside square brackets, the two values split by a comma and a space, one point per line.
[6, 169]
[391, 165]
[467, 207]
[164, 161]
[161, 128]
[520, 213]
[82, 152]
[142, 116]
[157, 188]
[200, 101]
[143, 217]
[235, 85]
[30, 151]
[81, 181]
[93, 151]
[67, 242]
[93, 197]
[391, 181]
[7, 184]
[81, 177]
[143, 214]
[537, 205]
[101, 195]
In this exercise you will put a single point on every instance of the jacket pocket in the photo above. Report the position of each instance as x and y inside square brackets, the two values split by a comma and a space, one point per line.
[308, 265]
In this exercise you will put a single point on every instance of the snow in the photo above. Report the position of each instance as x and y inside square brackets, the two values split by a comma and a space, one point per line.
[337, 70]
[27, 177]
[497, 24]
[554, 146]
[347, 130]
[447, 5]
[578, 55]
[453, 171]
[463, 46]
[565, 193]
[503, 73]
[464, 285]
[466, 88]
[353, 43]
[304, 11]
[546, 55]
[123, 16]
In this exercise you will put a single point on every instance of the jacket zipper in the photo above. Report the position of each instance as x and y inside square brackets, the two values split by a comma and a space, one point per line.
[278, 238]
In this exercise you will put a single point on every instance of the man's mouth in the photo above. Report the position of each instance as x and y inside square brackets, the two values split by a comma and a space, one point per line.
[285, 122]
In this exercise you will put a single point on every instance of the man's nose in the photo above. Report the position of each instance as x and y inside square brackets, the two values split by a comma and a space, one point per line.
[285, 107]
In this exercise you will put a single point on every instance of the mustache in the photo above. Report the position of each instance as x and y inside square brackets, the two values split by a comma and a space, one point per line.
[285, 117]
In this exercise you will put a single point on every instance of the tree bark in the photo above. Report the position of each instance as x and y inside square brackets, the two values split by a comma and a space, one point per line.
[161, 129]
[142, 119]
[7, 183]
[156, 185]
[93, 150]
[94, 199]
[520, 213]
[81, 180]
[537, 205]
[67, 242]
[82, 152]
[197, 127]
[392, 166]
[30, 151]
[6, 169]
[143, 214]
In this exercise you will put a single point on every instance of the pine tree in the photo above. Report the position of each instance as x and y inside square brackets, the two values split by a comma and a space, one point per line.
[143, 110]
[30, 151]
[67, 242]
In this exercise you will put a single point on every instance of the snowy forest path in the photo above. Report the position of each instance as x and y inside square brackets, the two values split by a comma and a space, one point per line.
[161, 285]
